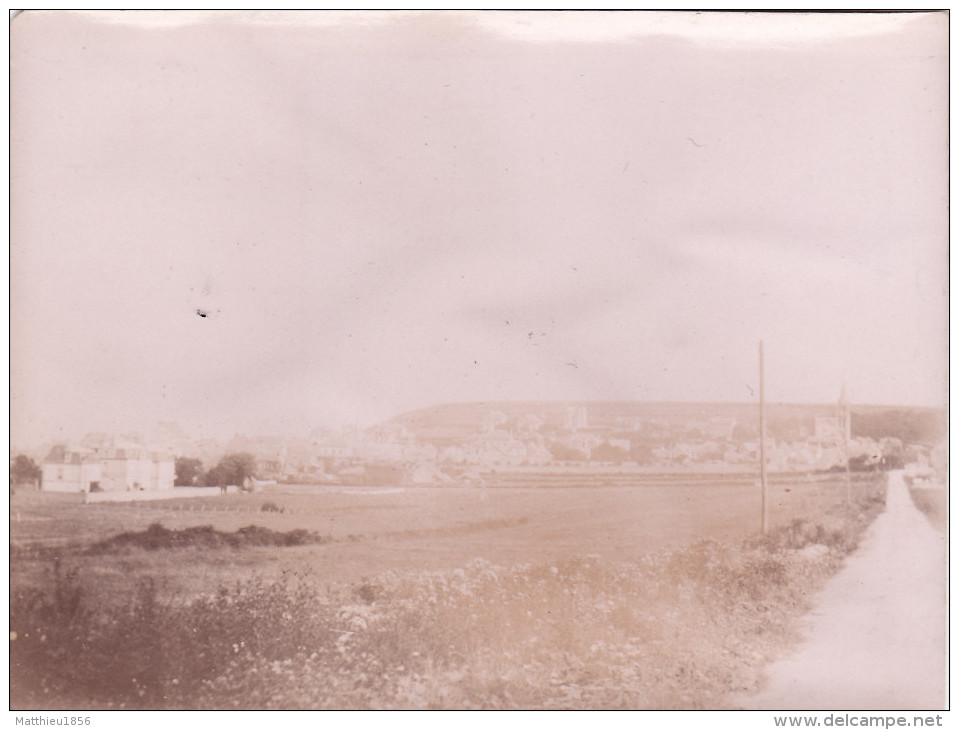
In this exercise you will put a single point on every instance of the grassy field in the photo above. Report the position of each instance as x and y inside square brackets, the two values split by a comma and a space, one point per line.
[380, 530]
[933, 503]
[447, 597]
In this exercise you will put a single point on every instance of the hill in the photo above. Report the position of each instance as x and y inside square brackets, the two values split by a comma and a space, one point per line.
[453, 422]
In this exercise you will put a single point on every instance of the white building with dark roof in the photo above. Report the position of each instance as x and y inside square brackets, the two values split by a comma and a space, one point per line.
[128, 467]
[107, 465]
[71, 469]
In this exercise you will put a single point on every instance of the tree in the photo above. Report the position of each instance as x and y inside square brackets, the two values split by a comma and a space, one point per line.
[217, 477]
[892, 453]
[233, 469]
[608, 452]
[641, 452]
[24, 470]
[188, 471]
[562, 452]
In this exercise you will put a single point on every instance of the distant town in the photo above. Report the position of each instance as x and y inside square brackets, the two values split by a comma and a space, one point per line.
[496, 444]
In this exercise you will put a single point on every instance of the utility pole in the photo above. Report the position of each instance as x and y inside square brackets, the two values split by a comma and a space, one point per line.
[762, 437]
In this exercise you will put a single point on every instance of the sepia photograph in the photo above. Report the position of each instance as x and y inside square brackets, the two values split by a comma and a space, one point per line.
[479, 360]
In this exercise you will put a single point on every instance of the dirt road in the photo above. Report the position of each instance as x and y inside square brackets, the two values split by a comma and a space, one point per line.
[876, 638]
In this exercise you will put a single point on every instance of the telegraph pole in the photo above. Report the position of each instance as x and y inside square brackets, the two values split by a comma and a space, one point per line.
[762, 437]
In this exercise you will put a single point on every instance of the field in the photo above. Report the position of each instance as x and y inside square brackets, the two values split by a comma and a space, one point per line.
[933, 503]
[653, 595]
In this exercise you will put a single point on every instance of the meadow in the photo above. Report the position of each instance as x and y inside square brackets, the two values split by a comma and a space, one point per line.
[652, 596]
[933, 503]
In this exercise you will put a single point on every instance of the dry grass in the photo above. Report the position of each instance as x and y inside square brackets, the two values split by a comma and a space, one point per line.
[674, 627]
[421, 528]
[932, 502]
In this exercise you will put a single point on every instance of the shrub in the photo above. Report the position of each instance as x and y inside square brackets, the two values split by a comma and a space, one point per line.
[157, 537]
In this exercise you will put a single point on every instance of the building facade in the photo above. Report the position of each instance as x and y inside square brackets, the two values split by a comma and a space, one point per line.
[71, 469]
[112, 467]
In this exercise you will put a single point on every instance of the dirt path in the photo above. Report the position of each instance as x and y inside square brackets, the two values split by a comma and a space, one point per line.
[876, 638]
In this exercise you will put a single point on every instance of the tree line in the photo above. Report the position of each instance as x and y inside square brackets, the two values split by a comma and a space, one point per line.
[233, 469]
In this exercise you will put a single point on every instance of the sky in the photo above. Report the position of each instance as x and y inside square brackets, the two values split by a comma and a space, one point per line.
[382, 211]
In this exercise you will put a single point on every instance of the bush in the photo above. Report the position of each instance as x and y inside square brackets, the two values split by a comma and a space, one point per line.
[157, 537]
